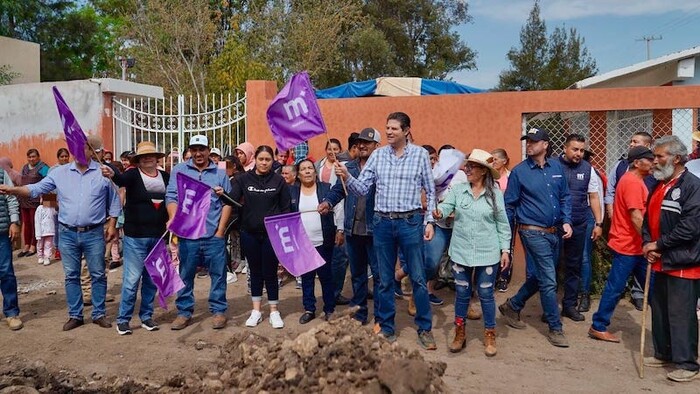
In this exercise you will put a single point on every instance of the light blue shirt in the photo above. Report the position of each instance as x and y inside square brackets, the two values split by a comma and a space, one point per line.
[84, 199]
[212, 176]
[399, 180]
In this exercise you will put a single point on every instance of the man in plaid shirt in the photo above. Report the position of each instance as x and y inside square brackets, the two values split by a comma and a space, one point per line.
[400, 171]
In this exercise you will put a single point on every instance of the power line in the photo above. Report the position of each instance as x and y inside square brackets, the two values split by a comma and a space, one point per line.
[648, 40]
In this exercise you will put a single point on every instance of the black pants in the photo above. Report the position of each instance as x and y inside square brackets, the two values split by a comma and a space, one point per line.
[572, 249]
[262, 265]
[674, 322]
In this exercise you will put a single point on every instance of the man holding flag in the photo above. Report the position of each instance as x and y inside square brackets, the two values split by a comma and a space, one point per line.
[400, 171]
[207, 245]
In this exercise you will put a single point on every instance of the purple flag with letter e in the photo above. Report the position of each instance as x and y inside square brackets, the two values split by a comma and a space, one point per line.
[75, 138]
[291, 244]
[293, 115]
[163, 273]
[190, 220]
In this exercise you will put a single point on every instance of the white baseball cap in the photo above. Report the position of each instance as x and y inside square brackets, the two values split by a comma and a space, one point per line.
[215, 151]
[199, 140]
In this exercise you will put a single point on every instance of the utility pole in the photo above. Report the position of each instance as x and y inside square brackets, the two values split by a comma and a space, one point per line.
[648, 40]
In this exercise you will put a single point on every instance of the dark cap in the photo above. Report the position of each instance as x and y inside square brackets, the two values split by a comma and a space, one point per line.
[368, 134]
[639, 152]
[536, 135]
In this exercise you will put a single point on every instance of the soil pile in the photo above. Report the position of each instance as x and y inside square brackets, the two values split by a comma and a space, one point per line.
[338, 356]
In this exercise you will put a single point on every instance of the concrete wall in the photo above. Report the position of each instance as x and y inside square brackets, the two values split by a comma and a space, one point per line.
[23, 58]
[29, 119]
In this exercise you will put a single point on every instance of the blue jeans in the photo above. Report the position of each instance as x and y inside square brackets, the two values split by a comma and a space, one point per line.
[622, 267]
[135, 252]
[434, 249]
[406, 235]
[586, 263]
[485, 277]
[541, 248]
[8, 281]
[73, 246]
[325, 276]
[339, 264]
[209, 251]
[361, 252]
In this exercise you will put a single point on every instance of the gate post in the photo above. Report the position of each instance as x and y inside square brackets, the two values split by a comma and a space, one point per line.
[181, 125]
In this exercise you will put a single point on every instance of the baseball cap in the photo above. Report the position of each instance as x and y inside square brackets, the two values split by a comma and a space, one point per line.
[536, 135]
[199, 140]
[215, 151]
[368, 134]
[639, 152]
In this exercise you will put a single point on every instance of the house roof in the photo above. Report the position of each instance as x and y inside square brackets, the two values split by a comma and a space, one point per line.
[653, 72]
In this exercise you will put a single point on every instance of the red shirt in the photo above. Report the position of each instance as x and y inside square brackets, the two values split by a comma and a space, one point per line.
[631, 193]
[654, 221]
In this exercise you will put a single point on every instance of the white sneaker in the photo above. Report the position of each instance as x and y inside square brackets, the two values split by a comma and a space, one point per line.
[41, 260]
[47, 261]
[276, 320]
[231, 277]
[254, 319]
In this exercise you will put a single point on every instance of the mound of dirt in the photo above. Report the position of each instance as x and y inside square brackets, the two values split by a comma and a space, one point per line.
[333, 357]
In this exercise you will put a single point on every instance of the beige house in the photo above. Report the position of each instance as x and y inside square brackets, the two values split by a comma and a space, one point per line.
[22, 57]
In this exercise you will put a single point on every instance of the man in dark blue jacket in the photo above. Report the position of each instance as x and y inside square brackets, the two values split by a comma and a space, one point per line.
[359, 213]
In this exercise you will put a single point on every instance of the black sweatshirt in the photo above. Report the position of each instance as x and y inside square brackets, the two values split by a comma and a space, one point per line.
[261, 196]
[141, 218]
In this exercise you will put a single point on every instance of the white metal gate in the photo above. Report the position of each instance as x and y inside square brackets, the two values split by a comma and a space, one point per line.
[170, 122]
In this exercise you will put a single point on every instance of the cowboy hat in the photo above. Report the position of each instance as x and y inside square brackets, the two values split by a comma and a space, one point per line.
[485, 159]
[147, 148]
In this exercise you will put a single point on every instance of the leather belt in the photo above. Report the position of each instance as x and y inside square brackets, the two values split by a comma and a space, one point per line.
[82, 229]
[397, 215]
[551, 230]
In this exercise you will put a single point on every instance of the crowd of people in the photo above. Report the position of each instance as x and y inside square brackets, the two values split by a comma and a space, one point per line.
[375, 208]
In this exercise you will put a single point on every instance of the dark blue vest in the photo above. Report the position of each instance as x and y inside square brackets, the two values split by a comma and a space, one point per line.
[578, 176]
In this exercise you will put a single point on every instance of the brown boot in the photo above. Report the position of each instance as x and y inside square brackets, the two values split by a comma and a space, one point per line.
[460, 341]
[490, 342]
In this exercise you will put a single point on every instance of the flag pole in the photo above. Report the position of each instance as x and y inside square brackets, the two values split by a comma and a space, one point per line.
[229, 199]
[335, 158]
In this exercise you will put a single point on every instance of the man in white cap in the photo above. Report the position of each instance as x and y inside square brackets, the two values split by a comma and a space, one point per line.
[215, 155]
[208, 249]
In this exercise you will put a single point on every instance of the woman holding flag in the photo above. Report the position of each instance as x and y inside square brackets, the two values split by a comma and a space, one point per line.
[322, 234]
[144, 223]
[262, 193]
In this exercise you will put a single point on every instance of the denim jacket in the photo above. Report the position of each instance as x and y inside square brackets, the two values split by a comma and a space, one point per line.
[337, 193]
[327, 222]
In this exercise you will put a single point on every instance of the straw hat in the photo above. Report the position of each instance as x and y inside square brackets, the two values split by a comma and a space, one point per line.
[485, 159]
[147, 148]
[696, 135]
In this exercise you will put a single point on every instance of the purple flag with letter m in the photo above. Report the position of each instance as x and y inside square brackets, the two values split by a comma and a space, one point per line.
[293, 115]
[291, 244]
[194, 199]
[75, 138]
[164, 275]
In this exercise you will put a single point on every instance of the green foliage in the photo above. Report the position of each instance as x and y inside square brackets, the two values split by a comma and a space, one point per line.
[601, 261]
[7, 75]
[545, 63]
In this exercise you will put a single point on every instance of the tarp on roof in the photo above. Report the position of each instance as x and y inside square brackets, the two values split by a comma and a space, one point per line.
[395, 87]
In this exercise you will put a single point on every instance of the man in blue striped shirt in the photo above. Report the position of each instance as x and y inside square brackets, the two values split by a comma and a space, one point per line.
[400, 172]
[538, 200]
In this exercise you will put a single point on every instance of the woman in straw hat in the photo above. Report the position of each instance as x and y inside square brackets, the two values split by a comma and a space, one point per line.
[144, 223]
[479, 214]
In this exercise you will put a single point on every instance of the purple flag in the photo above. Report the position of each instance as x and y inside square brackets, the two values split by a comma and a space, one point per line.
[294, 115]
[291, 244]
[75, 138]
[190, 220]
[164, 275]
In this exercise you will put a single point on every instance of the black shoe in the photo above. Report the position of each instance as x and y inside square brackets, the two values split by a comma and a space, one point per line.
[22, 253]
[501, 286]
[72, 323]
[328, 316]
[307, 317]
[543, 318]
[114, 265]
[340, 300]
[149, 325]
[638, 303]
[203, 273]
[573, 314]
[584, 304]
[123, 329]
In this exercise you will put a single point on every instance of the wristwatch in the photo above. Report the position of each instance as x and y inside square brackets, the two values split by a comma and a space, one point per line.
[599, 224]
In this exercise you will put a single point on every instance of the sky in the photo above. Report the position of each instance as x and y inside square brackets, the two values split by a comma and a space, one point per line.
[611, 29]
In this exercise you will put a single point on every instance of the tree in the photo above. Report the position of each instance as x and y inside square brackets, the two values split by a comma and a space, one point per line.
[172, 41]
[543, 63]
